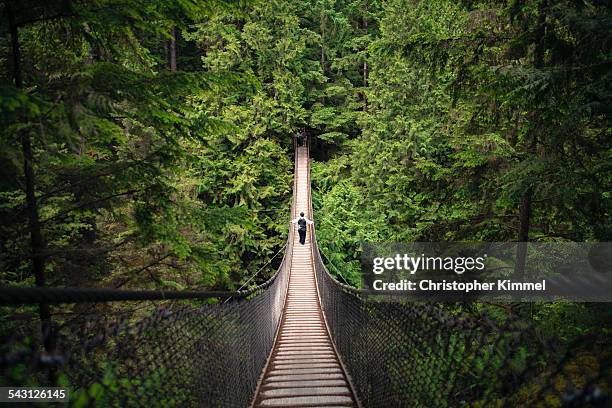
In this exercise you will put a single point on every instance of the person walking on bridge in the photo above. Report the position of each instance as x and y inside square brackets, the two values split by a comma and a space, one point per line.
[301, 222]
[301, 137]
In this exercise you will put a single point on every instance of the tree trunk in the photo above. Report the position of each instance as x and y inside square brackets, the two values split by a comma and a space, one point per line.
[525, 210]
[322, 29]
[323, 69]
[365, 69]
[171, 51]
[36, 240]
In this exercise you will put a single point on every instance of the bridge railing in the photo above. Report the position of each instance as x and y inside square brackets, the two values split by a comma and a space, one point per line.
[179, 353]
[409, 354]
[187, 349]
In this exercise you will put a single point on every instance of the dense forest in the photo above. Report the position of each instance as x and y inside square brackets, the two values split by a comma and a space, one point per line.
[132, 156]
[149, 144]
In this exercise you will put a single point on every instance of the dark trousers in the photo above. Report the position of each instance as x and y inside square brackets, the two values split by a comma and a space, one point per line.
[302, 236]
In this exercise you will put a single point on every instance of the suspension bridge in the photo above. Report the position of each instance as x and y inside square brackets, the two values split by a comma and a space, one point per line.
[300, 339]
[304, 368]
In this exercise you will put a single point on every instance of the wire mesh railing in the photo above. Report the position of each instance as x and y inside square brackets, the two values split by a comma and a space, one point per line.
[180, 353]
[187, 349]
[409, 354]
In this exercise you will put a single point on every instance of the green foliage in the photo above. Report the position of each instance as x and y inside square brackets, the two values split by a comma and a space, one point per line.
[139, 182]
[431, 121]
[469, 107]
[462, 120]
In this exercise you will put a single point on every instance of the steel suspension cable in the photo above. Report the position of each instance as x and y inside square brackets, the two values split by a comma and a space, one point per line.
[259, 270]
[330, 262]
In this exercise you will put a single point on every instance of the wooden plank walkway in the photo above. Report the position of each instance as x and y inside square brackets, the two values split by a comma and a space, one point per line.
[303, 370]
